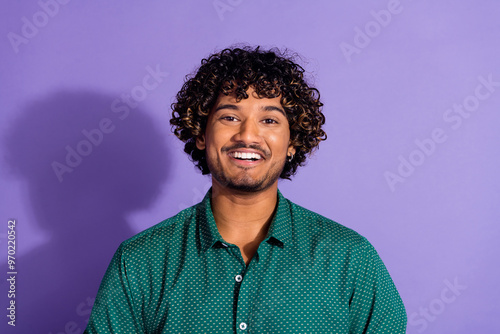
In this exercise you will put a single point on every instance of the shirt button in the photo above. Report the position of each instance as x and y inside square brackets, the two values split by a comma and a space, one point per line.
[243, 326]
[239, 278]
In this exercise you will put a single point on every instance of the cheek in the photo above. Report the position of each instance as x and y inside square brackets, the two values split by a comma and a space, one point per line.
[215, 141]
[280, 142]
[220, 135]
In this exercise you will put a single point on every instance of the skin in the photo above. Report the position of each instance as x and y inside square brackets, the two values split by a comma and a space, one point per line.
[244, 193]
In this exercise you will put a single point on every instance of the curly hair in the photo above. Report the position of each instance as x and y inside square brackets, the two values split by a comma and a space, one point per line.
[271, 73]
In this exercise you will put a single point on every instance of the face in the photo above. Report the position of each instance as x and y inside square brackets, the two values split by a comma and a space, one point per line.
[246, 142]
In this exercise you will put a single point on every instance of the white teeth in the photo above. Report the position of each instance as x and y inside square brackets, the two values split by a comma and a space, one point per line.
[246, 156]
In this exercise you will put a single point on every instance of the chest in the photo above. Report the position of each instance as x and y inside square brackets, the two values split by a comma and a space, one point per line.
[274, 293]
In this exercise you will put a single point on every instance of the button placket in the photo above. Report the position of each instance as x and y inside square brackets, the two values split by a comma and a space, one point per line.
[244, 297]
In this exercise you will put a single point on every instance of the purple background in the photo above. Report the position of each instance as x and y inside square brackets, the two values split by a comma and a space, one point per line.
[433, 230]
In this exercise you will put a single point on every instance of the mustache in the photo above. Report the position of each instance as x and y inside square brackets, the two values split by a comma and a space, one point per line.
[265, 153]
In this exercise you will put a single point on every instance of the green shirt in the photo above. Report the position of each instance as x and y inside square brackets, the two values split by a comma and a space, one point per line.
[310, 275]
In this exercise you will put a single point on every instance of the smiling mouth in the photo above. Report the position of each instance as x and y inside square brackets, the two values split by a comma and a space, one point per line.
[245, 156]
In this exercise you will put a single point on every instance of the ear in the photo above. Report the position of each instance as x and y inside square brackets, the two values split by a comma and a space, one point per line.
[200, 142]
[291, 150]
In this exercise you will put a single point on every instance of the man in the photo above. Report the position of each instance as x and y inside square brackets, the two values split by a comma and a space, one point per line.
[245, 259]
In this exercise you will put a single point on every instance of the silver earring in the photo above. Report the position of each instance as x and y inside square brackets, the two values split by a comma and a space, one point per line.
[290, 157]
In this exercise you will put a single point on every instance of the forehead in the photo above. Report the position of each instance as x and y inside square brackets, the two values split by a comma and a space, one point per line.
[253, 98]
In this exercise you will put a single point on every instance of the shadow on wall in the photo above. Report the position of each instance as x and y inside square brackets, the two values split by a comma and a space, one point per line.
[86, 168]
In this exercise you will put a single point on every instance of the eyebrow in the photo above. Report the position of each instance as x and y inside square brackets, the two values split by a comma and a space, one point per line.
[235, 107]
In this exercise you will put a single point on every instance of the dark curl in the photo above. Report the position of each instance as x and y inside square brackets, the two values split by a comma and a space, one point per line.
[271, 73]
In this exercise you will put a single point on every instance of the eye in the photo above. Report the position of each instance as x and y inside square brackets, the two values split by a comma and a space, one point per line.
[270, 121]
[228, 118]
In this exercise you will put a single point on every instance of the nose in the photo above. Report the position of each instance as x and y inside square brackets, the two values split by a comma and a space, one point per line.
[249, 132]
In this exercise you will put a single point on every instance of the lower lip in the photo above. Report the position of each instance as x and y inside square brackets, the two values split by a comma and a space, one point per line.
[246, 163]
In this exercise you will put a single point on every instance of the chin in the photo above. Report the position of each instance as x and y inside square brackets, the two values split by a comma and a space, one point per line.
[245, 184]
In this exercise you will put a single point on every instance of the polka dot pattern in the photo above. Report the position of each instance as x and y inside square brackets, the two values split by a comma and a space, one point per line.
[310, 275]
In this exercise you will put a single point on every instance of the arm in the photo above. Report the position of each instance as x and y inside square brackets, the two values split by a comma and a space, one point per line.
[375, 305]
[113, 310]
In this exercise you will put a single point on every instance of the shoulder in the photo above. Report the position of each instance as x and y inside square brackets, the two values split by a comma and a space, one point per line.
[319, 229]
[158, 237]
[326, 242]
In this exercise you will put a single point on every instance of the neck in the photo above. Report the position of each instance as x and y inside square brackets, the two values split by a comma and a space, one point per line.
[243, 218]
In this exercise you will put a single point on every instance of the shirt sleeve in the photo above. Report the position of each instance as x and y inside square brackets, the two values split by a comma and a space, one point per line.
[375, 305]
[113, 310]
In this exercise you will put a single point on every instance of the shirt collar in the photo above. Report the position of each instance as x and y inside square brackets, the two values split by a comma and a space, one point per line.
[280, 230]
